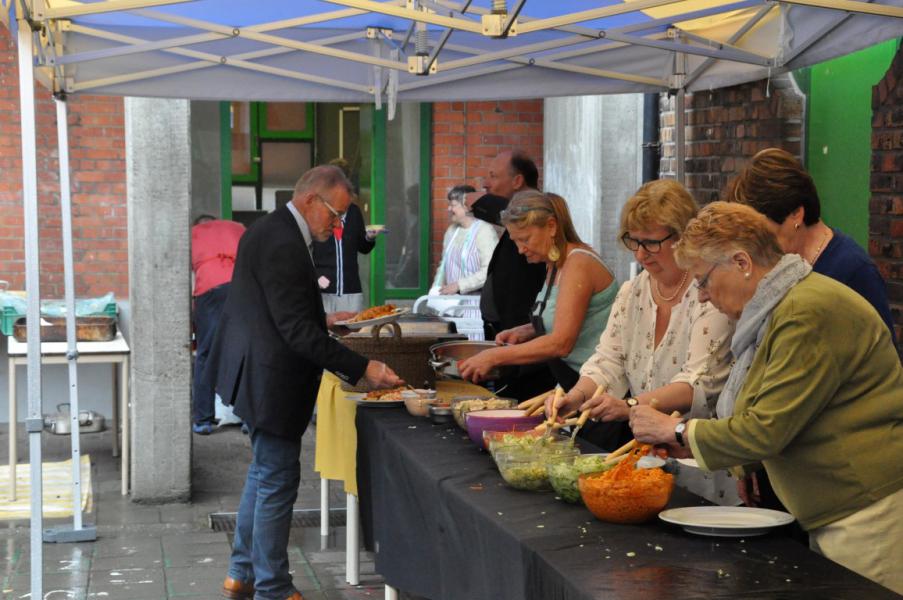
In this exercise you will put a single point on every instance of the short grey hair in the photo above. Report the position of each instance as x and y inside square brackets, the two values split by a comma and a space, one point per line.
[324, 177]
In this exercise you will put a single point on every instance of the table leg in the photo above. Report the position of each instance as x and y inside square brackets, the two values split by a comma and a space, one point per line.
[124, 403]
[352, 541]
[13, 409]
[116, 400]
[391, 593]
[324, 507]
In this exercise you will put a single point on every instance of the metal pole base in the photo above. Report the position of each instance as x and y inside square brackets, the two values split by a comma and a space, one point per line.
[66, 534]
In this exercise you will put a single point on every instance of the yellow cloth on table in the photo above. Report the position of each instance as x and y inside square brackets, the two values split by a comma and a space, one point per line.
[57, 490]
[336, 449]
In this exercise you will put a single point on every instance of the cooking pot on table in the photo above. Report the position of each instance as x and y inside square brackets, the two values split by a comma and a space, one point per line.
[444, 357]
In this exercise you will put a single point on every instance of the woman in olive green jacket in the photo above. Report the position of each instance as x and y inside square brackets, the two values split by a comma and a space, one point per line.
[815, 395]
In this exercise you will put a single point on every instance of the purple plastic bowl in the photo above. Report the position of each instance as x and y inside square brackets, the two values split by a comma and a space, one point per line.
[498, 420]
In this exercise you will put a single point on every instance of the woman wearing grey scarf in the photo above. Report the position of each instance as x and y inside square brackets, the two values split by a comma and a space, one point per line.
[816, 394]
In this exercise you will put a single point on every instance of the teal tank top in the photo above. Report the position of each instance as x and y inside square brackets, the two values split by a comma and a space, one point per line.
[593, 324]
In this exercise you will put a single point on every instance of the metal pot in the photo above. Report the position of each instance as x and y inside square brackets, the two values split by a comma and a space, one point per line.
[61, 423]
[444, 357]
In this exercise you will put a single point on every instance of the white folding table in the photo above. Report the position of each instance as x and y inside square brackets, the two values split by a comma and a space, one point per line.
[114, 352]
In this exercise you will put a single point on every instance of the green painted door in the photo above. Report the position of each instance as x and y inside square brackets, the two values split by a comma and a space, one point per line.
[839, 133]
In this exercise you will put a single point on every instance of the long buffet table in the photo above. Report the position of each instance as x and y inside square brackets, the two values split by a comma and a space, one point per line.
[444, 526]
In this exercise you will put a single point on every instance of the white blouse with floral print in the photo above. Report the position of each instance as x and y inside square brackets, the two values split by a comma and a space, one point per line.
[695, 348]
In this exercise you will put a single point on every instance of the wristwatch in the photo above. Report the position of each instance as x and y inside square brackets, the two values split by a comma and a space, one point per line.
[631, 402]
[679, 430]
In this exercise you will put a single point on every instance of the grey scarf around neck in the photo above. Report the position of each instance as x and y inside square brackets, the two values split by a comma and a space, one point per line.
[754, 321]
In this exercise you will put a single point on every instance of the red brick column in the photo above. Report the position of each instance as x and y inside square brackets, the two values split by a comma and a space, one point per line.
[727, 126]
[886, 205]
[466, 137]
[97, 157]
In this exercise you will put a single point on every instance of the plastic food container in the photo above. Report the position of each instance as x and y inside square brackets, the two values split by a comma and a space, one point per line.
[418, 406]
[524, 468]
[461, 405]
[615, 498]
[564, 471]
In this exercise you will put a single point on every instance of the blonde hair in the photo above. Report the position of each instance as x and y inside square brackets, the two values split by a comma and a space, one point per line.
[724, 228]
[663, 202]
[531, 207]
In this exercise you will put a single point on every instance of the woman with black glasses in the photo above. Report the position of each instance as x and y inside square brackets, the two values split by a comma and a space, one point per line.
[660, 342]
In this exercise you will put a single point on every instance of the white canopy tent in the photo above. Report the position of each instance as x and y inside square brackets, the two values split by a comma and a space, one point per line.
[389, 51]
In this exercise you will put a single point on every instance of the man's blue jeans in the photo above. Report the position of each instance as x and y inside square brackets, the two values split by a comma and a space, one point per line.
[260, 549]
[207, 310]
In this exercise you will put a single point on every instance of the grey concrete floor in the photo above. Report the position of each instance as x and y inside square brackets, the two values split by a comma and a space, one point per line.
[151, 552]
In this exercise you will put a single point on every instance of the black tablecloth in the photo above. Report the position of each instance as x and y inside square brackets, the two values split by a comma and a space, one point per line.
[443, 525]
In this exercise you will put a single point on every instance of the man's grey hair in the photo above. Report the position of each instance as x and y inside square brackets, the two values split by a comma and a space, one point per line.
[322, 178]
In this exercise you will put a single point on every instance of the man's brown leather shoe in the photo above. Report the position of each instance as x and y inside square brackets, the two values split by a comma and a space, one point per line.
[238, 590]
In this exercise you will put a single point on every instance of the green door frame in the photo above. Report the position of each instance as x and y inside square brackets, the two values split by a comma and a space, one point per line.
[378, 292]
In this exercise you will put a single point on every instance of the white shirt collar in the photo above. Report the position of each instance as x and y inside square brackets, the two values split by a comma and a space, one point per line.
[302, 225]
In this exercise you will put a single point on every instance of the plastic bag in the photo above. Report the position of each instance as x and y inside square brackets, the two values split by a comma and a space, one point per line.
[57, 308]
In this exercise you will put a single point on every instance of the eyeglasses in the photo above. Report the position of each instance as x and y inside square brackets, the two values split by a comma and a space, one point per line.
[704, 282]
[650, 246]
[336, 214]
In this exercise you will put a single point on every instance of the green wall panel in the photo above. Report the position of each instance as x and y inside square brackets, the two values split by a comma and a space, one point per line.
[839, 131]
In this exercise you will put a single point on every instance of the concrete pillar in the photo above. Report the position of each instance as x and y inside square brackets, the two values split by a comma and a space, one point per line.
[158, 164]
[206, 166]
[592, 155]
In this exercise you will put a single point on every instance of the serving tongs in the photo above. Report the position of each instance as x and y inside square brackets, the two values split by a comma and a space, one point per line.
[550, 423]
[585, 414]
[617, 455]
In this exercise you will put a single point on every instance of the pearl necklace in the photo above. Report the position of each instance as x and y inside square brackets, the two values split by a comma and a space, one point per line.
[676, 292]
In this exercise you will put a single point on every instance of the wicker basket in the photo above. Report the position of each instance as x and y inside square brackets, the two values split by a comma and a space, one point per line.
[407, 356]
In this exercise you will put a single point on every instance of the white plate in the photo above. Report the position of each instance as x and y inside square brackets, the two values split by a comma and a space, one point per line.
[368, 322]
[726, 521]
[361, 400]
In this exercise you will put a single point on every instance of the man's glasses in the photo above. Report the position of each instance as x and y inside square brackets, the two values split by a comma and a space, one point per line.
[704, 282]
[650, 246]
[336, 214]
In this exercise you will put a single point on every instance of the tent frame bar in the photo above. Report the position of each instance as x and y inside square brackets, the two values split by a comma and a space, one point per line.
[852, 6]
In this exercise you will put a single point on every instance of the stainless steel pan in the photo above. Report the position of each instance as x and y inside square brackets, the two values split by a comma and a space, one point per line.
[444, 357]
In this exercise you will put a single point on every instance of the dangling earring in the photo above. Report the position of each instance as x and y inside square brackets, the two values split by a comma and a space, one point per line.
[554, 253]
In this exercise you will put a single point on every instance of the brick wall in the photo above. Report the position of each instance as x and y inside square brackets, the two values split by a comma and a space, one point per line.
[466, 137]
[886, 206]
[727, 126]
[97, 157]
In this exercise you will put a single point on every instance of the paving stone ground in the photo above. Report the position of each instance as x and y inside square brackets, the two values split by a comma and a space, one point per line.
[152, 552]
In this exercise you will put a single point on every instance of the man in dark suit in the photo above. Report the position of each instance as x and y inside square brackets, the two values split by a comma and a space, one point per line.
[511, 283]
[270, 349]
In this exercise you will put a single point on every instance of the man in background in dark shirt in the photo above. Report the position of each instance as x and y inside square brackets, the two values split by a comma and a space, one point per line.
[512, 283]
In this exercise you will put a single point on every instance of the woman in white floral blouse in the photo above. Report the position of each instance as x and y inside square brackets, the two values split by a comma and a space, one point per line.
[660, 343]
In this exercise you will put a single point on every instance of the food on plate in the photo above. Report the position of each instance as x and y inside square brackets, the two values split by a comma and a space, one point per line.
[564, 471]
[388, 395]
[626, 494]
[374, 312]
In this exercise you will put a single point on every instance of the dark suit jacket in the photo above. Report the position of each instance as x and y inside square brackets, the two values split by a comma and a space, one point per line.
[512, 283]
[272, 343]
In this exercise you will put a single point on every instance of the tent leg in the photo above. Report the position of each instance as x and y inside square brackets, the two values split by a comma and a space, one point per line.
[34, 423]
[352, 541]
[75, 533]
[680, 116]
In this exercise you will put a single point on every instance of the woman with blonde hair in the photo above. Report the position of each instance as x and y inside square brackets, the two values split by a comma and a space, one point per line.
[660, 343]
[571, 308]
[814, 394]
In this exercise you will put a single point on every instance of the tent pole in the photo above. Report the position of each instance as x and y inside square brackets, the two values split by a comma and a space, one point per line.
[75, 533]
[679, 135]
[34, 423]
